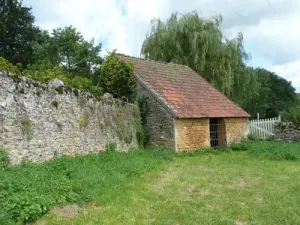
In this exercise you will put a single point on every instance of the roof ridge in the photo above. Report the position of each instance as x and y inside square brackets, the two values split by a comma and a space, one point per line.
[151, 60]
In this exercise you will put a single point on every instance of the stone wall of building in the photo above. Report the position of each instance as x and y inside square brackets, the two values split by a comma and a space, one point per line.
[287, 131]
[158, 121]
[191, 134]
[38, 122]
[236, 129]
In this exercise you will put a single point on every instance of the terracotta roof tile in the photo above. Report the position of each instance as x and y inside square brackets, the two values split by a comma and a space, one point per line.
[184, 91]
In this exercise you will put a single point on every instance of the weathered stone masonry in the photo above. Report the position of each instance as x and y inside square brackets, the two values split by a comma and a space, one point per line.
[236, 129]
[192, 134]
[38, 122]
[159, 122]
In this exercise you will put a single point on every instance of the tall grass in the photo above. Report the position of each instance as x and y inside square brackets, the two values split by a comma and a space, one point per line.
[274, 150]
[28, 191]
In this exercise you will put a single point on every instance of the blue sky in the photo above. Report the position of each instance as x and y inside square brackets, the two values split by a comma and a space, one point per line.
[270, 27]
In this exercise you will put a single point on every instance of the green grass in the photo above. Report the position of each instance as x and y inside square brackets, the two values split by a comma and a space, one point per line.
[274, 150]
[227, 188]
[160, 187]
[29, 191]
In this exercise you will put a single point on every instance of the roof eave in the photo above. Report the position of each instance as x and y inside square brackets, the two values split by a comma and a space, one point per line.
[209, 117]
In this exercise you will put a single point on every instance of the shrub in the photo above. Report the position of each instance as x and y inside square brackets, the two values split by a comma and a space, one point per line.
[44, 74]
[5, 65]
[4, 159]
[292, 114]
[117, 76]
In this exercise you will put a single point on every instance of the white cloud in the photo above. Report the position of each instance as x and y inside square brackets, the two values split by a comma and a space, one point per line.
[271, 30]
[277, 39]
[102, 20]
[290, 71]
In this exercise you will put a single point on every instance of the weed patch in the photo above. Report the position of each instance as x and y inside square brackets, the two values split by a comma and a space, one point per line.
[84, 120]
[4, 160]
[26, 128]
[55, 104]
[29, 191]
[275, 150]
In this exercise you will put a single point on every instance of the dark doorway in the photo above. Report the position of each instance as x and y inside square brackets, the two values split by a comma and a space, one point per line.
[217, 132]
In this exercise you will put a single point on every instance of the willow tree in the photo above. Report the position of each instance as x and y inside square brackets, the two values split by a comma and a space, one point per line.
[199, 43]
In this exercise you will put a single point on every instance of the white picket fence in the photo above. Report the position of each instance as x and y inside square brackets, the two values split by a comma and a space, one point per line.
[263, 128]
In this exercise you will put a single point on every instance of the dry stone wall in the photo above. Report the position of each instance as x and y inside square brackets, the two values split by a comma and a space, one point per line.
[39, 122]
[287, 131]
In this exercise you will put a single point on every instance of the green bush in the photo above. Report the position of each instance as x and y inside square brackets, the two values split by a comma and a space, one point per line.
[44, 74]
[117, 76]
[4, 159]
[5, 65]
[292, 115]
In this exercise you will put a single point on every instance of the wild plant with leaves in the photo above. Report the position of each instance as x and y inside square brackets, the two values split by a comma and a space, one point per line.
[117, 76]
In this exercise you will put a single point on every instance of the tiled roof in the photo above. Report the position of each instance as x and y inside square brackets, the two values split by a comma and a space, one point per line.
[184, 92]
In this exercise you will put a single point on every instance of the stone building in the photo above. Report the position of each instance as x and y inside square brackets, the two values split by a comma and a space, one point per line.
[184, 111]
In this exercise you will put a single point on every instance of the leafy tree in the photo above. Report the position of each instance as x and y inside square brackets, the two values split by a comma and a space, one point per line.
[17, 32]
[292, 114]
[44, 50]
[275, 94]
[199, 43]
[117, 76]
[67, 48]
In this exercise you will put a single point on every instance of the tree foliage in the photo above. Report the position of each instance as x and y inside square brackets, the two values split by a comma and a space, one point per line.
[67, 48]
[298, 98]
[199, 43]
[292, 114]
[17, 32]
[275, 94]
[117, 76]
